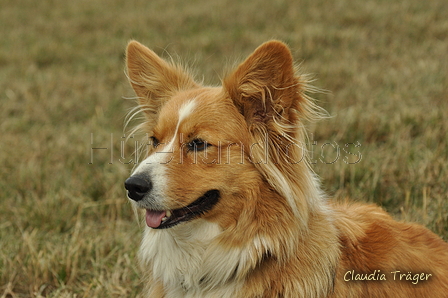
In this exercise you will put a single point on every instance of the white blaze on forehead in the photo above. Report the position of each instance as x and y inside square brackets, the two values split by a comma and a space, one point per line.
[185, 110]
[158, 158]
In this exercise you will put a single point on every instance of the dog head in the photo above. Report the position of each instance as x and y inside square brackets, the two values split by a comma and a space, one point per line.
[217, 151]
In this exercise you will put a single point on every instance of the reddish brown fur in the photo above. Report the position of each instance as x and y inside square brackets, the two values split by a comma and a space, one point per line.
[277, 232]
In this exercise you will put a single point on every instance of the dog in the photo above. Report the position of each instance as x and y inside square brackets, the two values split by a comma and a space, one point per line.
[232, 206]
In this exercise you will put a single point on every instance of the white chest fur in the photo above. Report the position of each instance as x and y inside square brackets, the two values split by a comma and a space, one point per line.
[177, 257]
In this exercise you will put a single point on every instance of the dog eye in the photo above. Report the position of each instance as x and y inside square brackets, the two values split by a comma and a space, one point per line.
[197, 145]
[154, 141]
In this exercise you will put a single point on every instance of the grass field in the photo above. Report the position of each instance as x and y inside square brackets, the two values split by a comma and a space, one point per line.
[66, 228]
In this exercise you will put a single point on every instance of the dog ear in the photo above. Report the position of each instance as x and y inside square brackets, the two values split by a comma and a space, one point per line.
[153, 79]
[264, 87]
[267, 92]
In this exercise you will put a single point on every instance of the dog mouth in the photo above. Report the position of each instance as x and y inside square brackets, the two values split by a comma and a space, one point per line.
[164, 219]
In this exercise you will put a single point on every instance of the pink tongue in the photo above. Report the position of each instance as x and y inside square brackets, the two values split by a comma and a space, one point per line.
[154, 218]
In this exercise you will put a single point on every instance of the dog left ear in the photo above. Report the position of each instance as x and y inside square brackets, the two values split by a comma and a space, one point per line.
[264, 87]
[267, 92]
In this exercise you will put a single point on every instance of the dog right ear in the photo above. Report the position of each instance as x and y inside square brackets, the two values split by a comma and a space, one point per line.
[153, 79]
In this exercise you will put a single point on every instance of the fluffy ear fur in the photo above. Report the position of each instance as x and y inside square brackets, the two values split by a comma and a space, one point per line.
[267, 92]
[264, 86]
[154, 80]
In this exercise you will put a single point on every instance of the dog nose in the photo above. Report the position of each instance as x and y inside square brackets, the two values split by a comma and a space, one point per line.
[137, 187]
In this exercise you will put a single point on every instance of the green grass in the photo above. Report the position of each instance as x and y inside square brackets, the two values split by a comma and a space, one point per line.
[66, 228]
